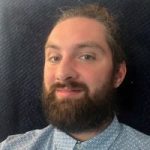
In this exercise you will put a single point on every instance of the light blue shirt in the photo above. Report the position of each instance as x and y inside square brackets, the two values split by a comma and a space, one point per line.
[116, 136]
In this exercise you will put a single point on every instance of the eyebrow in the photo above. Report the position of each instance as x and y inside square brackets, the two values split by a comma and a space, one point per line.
[52, 46]
[88, 44]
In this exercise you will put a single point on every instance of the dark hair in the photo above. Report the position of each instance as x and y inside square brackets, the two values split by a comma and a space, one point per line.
[102, 15]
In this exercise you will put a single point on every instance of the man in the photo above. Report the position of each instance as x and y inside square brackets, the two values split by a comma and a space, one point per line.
[84, 64]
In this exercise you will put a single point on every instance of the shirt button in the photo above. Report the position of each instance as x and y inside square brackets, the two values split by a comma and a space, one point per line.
[78, 146]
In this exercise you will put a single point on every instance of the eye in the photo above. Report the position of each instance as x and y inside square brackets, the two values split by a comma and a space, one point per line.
[54, 59]
[87, 57]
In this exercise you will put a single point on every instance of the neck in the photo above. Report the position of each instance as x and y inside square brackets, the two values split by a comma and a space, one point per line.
[84, 136]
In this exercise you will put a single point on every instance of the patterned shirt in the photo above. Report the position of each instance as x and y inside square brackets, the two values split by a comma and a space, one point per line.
[116, 136]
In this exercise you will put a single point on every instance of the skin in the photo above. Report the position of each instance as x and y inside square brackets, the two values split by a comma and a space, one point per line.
[76, 50]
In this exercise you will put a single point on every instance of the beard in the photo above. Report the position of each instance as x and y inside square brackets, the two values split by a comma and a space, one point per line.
[85, 113]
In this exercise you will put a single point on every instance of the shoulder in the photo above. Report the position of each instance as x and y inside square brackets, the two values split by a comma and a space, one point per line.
[133, 139]
[29, 139]
[139, 137]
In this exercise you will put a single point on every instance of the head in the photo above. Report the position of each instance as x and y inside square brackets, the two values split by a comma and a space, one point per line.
[84, 64]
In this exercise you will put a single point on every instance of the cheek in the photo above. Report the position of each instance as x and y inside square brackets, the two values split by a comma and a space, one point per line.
[96, 79]
[48, 77]
[91, 77]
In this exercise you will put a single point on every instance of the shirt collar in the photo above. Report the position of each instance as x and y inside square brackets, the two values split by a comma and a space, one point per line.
[106, 138]
[63, 141]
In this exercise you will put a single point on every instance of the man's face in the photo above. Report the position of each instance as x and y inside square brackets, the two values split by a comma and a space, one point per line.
[78, 75]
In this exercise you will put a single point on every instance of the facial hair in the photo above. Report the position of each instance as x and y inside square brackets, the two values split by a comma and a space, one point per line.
[76, 115]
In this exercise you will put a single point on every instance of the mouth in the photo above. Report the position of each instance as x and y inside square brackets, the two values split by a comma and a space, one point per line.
[68, 92]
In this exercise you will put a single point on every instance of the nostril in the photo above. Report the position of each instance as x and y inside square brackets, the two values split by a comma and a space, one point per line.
[68, 78]
[66, 73]
[64, 78]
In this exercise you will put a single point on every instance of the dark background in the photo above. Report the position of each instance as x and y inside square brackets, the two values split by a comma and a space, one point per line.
[24, 26]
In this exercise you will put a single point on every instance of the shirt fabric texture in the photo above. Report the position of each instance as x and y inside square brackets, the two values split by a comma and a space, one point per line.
[116, 136]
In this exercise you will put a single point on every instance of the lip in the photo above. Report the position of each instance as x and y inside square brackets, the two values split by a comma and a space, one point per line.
[67, 92]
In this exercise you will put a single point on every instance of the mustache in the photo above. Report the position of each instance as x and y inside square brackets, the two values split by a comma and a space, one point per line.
[70, 85]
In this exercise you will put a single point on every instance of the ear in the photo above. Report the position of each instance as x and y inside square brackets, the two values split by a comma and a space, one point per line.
[120, 75]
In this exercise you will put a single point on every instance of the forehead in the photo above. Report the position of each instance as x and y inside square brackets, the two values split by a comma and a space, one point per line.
[80, 21]
[78, 29]
[78, 25]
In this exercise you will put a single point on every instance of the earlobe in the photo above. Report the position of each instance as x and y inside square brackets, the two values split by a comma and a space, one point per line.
[120, 75]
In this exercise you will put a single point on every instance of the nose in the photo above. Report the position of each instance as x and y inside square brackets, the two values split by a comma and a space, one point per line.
[66, 71]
